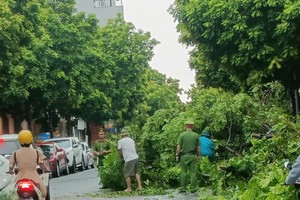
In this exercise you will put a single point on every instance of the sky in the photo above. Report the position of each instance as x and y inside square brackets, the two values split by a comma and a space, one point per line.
[171, 57]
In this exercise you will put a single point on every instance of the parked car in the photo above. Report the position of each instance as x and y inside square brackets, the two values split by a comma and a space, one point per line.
[74, 151]
[57, 158]
[88, 155]
[10, 143]
[5, 179]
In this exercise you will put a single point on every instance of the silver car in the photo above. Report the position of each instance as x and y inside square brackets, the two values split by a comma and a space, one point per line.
[74, 151]
[88, 155]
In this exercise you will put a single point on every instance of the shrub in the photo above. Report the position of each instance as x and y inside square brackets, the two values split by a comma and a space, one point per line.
[172, 176]
[111, 174]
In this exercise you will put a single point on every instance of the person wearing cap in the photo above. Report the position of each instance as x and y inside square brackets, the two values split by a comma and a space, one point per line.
[126, 148]
[102, 147]
[207, 145]
[188, 148]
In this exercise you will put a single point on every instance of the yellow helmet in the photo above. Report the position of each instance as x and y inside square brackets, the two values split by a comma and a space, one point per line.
[25, 137]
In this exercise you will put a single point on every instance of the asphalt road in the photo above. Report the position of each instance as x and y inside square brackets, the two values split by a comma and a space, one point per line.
[74, 185]
[78, 186]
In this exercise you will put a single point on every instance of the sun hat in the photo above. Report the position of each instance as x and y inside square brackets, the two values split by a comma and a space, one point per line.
[124, 132]
[205, 133]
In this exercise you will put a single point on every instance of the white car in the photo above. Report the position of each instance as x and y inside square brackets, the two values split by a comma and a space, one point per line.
[88, 155]
[74, 151]
[9, 143]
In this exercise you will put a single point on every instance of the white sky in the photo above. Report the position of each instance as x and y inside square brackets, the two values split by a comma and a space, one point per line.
[171, 57]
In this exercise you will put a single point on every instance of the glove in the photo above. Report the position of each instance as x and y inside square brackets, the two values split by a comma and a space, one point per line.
[288, 165]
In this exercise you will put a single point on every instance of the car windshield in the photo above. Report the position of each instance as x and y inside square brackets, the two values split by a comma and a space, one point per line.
[47, 149]
[63, 143]
[8, 147]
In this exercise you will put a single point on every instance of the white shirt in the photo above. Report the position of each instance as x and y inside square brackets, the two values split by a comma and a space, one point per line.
[128, 149]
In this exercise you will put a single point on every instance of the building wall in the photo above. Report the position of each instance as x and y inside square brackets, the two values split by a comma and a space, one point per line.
[94, 128]
[103, 9]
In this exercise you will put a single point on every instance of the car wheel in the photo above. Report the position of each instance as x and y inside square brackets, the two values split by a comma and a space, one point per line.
[57, 172]
[81, 167]
[57, 169]
[87, 164]
[67, 171]
[73, 168]
[48, 192]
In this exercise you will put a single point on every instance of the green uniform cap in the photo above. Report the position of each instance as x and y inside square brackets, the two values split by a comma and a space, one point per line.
[189, 122]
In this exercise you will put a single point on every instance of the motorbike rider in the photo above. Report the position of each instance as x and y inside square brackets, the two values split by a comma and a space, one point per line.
[27, 159]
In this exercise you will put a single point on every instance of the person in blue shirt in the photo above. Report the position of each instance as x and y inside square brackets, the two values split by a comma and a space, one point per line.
[294, 174]
[207, 145]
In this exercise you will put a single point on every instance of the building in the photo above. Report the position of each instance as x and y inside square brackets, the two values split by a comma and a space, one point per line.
[7, 124]
[103, 9]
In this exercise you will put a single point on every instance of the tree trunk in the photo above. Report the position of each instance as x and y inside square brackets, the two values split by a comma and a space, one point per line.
[50, 123]
[28, 116]
[293, 97]
[297, 101]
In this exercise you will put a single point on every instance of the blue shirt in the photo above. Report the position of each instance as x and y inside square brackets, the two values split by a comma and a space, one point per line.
[207, 147]
[294, 175]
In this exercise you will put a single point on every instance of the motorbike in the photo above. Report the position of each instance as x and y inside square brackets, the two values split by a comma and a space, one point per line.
[25, 188]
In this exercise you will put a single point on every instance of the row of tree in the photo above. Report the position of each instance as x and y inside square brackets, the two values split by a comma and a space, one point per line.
[57, 62]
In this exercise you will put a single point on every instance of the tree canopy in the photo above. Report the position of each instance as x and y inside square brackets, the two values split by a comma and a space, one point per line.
[57, 62]
[241, 43]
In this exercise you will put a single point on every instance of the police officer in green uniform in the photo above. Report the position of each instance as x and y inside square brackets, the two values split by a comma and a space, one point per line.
[188, 148]
[102, 147]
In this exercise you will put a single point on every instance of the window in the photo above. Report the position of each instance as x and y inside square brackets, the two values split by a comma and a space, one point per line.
[102, 3]
[63, 143]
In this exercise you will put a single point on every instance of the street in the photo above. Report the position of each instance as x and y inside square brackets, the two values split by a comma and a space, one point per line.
[74, 185]
[78, 186]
